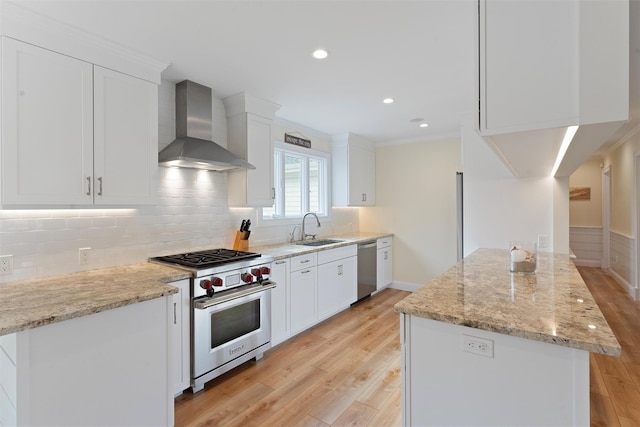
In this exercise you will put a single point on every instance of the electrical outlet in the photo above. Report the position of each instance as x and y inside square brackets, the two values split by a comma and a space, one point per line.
[6, 264]
[476, 345]
[542, 241]
[84, 257]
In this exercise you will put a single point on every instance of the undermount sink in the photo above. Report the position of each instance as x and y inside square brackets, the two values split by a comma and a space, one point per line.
[318, 242]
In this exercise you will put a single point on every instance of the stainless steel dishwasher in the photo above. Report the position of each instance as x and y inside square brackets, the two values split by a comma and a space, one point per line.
[367, 269]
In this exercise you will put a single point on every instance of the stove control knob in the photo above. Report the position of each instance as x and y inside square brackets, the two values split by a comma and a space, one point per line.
[217, 281]
[246, 277]
[256, 272]
[206, 284]
[265, 270]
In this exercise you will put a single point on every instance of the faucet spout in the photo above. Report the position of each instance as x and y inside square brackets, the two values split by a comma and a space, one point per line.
[304, 234]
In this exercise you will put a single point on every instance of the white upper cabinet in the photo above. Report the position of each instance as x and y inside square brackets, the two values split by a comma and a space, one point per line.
[549, 64]
[74, 134]
[249, 122]
[353, 170]
[125, 138]
[47, 126]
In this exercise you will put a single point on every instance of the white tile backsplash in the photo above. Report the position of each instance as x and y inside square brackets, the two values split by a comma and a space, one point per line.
[191, 214]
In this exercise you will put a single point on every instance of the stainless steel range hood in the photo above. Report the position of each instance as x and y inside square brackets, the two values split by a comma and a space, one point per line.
[193, 147]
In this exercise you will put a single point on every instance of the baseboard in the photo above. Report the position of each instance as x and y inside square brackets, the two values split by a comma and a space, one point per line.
[405, 286]
[626, 285]
[587, 262]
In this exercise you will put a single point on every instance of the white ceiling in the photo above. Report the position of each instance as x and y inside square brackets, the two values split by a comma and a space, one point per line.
[421, 53]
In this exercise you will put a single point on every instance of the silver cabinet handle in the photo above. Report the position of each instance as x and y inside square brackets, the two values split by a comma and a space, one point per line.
[273, 193]
[305, 261]
[280, 262]
[100, 186]
[340, 270]
[175, 319]
[386, 255]
[88, 186]
[305, 271]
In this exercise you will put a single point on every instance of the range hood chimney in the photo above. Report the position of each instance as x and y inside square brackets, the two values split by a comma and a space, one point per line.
[193, 147]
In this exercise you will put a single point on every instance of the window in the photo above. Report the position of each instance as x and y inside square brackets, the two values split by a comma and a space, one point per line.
[301, 181]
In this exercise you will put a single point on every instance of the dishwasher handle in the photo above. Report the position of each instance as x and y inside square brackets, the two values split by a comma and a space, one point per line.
[368, 245]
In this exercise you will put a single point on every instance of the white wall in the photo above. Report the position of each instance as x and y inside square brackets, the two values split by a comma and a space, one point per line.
[191, 214]
[416, 200]
[499, 208]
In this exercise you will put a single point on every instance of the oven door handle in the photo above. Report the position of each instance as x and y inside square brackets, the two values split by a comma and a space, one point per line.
[228, 296]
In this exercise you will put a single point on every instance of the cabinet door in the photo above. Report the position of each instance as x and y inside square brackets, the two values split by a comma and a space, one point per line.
[384, 267]
[347, 292]
[528, 65]
[126, 138]
[47, 127]
[337, 286]
[179, 338]
[280, 302]
[329, 277]
[362, 175]
[260, 154]
[249, 137]
[303, 299]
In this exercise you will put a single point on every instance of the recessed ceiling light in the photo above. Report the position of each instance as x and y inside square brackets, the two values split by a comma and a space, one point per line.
[320, 54]
[388, 100]
[424, 125]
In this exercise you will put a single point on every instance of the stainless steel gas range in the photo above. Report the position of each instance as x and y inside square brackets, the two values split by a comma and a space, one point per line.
[230, 309]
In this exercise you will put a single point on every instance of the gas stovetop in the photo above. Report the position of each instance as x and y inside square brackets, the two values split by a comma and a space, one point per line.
[207, 259]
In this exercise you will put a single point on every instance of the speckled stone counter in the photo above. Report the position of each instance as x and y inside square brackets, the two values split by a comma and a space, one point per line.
[553, 305]
[31, 303]
[287, 250]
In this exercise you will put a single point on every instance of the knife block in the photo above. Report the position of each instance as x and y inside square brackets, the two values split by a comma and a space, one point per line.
[241, 242]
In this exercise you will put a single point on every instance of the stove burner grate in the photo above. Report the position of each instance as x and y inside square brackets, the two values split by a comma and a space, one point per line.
[208, 258]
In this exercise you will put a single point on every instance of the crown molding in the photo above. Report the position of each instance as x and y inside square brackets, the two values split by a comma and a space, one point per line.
[26, 25]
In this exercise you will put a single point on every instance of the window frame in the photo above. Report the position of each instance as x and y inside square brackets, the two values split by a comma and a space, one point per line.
[306, 153]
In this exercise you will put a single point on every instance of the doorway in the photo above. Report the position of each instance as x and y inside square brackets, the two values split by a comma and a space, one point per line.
[606, 217]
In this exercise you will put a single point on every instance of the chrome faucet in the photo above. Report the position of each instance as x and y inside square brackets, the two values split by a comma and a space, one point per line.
[304, 235]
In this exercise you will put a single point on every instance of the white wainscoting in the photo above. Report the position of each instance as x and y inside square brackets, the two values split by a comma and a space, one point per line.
[586, 244]
[622, 261]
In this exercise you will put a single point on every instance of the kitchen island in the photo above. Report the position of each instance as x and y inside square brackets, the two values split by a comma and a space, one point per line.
[88, 348]
[483, 346]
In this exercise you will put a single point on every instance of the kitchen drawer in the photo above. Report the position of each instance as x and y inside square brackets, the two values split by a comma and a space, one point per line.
[303, 261]
[384, 242]
[330, 255]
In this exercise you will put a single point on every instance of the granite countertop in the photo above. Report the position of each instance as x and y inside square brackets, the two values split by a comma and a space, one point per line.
[553, 305]
[287, 250]
[27, 304]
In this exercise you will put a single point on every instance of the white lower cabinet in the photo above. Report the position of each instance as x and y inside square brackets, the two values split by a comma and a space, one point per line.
[8, 386]
[303, 292]
[280, 313]
[107, 368]
[384, 264]
[337, 280]
[179, 338]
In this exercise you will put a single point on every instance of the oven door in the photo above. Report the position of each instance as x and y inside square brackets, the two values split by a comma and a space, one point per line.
[230, 325]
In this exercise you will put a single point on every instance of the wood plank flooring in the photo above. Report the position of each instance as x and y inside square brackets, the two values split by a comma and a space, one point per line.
[346, 372]
[615, 381]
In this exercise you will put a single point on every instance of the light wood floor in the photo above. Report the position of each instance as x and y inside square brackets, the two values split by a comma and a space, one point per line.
[346, 371]
[615, 381]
